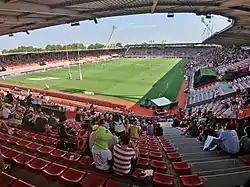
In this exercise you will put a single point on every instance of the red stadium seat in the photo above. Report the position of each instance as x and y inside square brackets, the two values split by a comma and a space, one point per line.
[143, 146]
[169, 149]
[159, 166]
[166, 144]
[92, 180]
[72, 176]
[245, 159]
[72, 158]
[38, 165]
[21, 183]
[51, 141]
[23, 159]
[23, 143]
[155, 155]
[58, 154]
[10, 155]
[30, 135]
[174, 157]
[154, 148]
[40, 138]
[143, 163]
[162, 180]
[86, 162]
[20, 133]
[112, 183]
[6, 180]
[13, 140]
[46, 150]
[54, 171]
[137, 174]
[191, 181]
[34, 146]
[4, 137]
[181, 168]
[4, 149]
[143, 153]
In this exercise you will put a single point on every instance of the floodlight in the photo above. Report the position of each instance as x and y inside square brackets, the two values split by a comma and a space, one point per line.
[208, 16]
[170, 15]
[74, 24]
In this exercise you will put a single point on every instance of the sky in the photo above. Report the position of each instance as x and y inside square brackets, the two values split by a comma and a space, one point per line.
[129, 30]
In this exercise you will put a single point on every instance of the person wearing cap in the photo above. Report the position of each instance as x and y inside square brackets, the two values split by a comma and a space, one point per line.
[101, 154]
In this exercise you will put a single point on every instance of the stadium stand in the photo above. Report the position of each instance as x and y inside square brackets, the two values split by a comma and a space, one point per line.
[48, 153]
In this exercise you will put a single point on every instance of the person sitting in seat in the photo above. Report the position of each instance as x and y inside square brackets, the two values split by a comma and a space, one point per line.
[228, 141]
[41, 122]
[123, 156]
[52, 121]
[62, 131]
[245, 141]
[101, 154]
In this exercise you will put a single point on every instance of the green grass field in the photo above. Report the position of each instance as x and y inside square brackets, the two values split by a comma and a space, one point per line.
[126, 79]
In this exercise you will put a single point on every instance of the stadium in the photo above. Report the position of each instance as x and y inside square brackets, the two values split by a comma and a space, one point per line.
[149, 114]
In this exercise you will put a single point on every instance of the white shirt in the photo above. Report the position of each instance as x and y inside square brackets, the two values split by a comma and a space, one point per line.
[39, 101]
[119, 126]
[101, 158]
[34, 102]
[6, 113]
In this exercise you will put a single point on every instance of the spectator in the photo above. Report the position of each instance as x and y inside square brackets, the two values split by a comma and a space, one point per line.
[119, 127]
[101, 154]
[29, 100]
[62, 131]
[92, 136]
[27, 120]
[6, 112]
[9, 98]
[228, 141]
[41, 122]
[158, 130]
[245, 141]
[123, 156]
[135, 130]
[150, 129]
[219, 130]
[192, 130]
[52, 121]
[78, 116]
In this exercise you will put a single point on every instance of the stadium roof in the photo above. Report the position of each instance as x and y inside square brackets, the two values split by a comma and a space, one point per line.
[25, 15]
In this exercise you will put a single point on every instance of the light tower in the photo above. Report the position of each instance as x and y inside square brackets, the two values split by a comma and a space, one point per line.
[111, 34]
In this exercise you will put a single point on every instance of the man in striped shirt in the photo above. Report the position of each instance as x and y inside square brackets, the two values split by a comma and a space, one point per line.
[122, 156]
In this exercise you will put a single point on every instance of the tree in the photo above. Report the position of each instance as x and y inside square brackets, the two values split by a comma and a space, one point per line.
[118, 44]
[91, 46]
[5, 51]
[99, 46]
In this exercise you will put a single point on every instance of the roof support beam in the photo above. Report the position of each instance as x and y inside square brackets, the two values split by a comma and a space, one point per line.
[18, 20]
[155, 2]
[25, 7]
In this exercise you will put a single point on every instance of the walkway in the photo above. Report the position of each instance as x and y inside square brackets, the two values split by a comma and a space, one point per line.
[217, 168]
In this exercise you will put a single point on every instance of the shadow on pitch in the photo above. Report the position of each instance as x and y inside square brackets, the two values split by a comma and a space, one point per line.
[163, 87]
